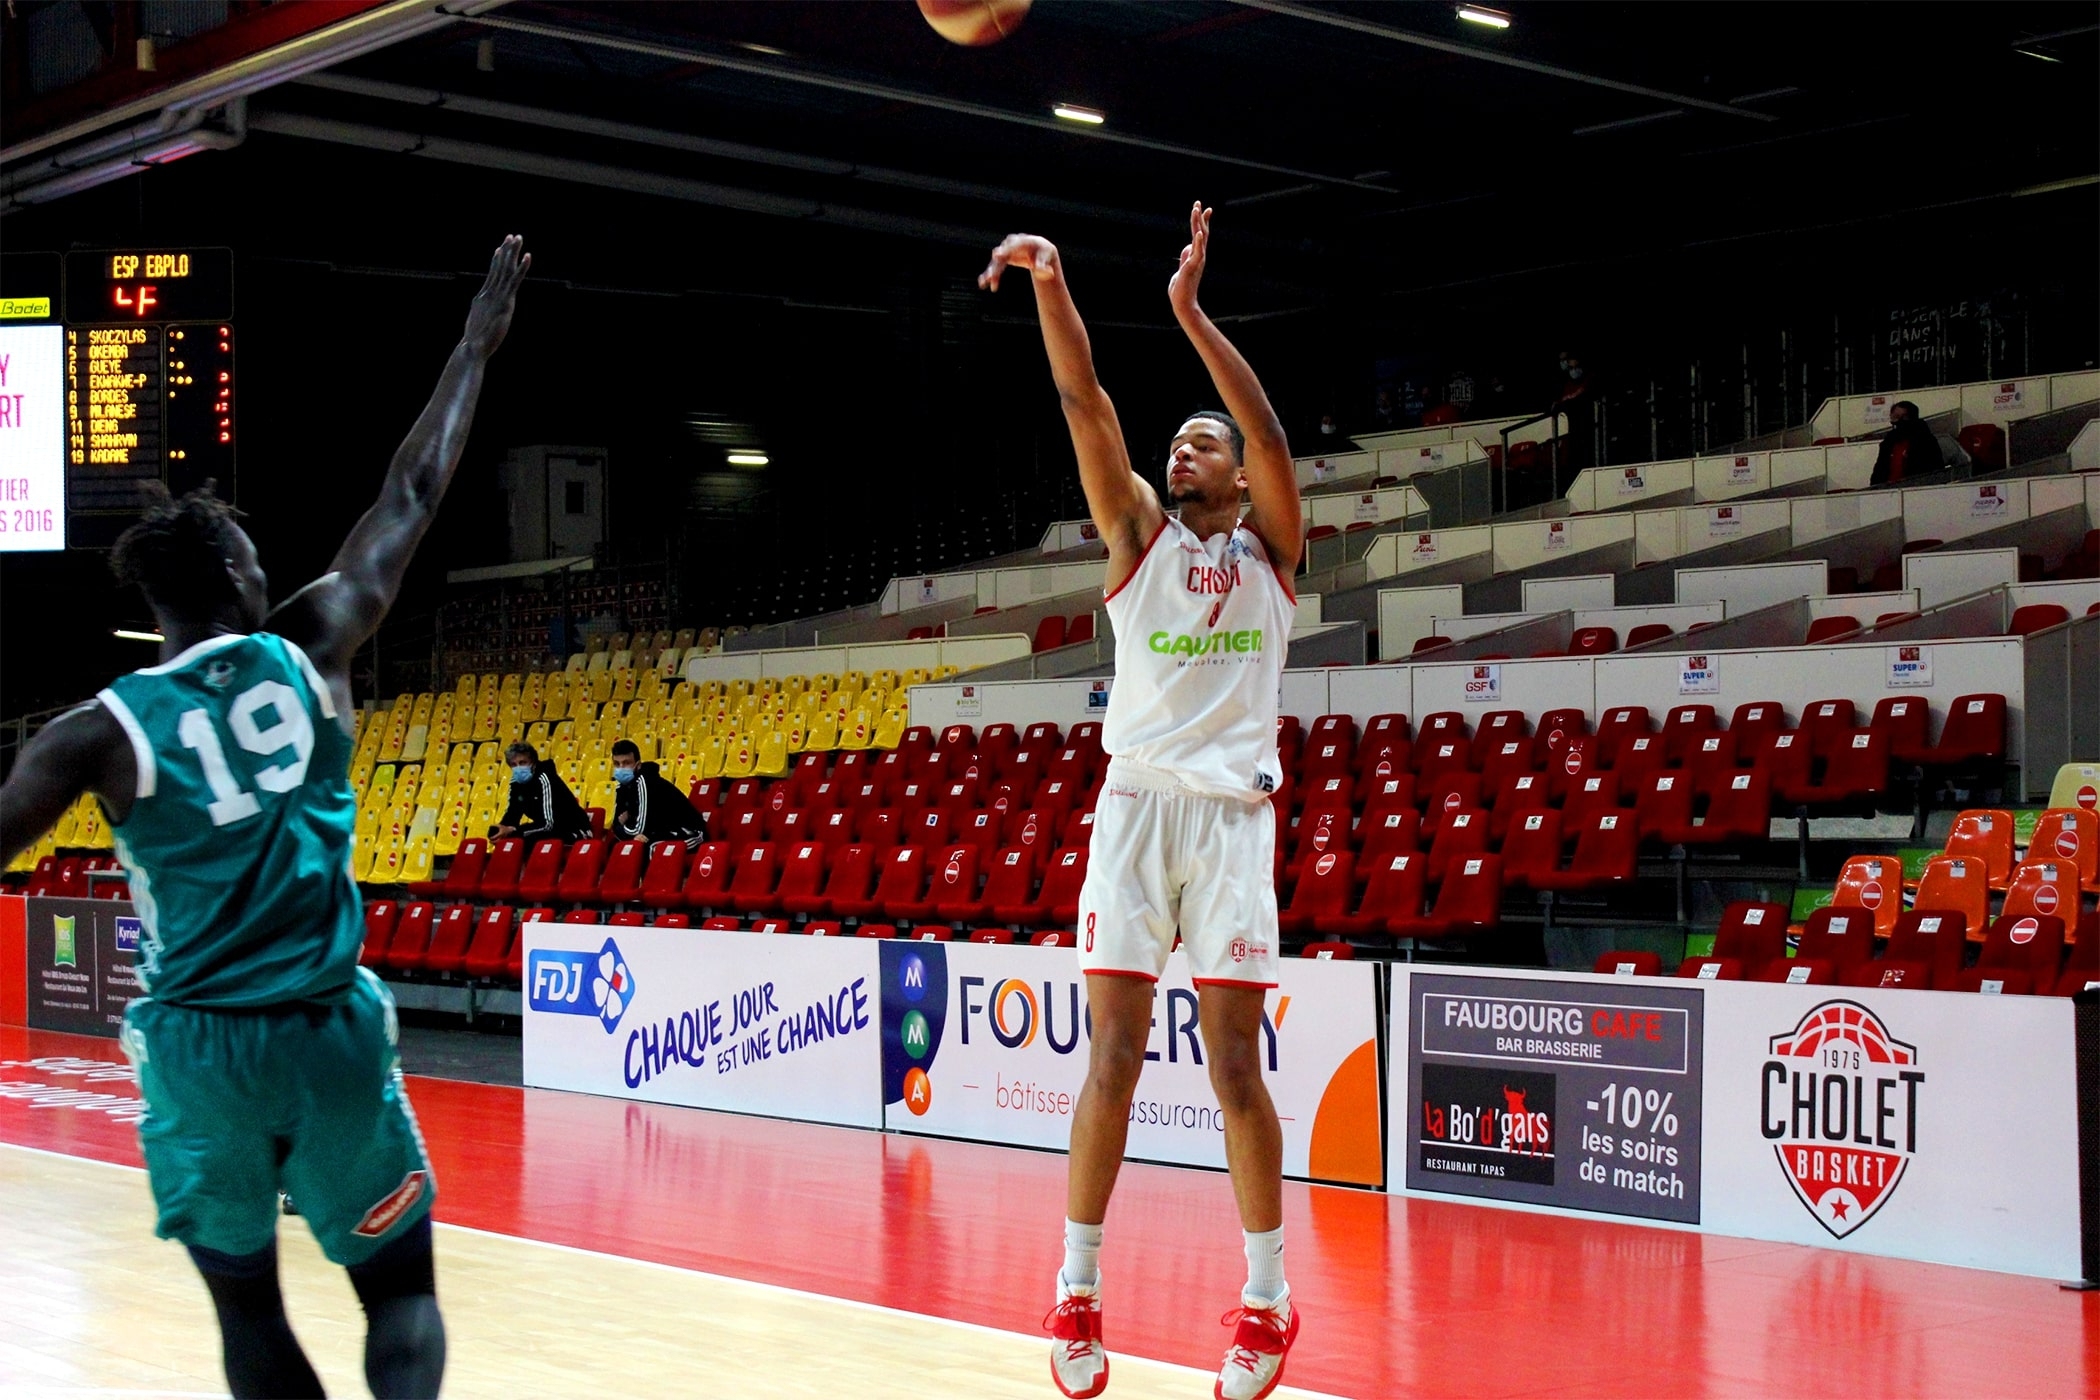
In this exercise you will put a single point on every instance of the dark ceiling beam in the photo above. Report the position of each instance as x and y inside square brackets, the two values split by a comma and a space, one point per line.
[781, 72]
[731, 150]
[1336, 19]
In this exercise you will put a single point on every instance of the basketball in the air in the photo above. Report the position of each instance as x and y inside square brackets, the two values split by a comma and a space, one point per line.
[974, 22]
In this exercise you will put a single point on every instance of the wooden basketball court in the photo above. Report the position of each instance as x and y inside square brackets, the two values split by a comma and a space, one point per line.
[590, 1245]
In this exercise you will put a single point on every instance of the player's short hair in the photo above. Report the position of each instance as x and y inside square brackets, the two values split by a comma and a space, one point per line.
[521, 747]
[626, 748]
[177, 551]
[1233, 434]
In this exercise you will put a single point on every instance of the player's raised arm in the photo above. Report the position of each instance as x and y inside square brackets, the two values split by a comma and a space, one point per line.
[1125, 508]
[82, 750]
[1272, 480]
[335, 614]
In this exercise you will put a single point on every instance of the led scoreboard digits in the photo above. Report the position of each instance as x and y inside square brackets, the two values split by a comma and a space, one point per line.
[149, 379]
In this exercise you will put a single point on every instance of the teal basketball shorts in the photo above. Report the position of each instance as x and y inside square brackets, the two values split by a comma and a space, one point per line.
[304, 1099]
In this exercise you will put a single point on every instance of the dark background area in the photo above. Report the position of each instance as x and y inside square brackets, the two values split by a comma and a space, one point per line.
[1920, 170]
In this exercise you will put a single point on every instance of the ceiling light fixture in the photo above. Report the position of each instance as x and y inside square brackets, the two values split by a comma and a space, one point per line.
[767, 49]
[2037, 53]
[749, 459]
[1085, 116]
[1480, 14]
[130, 636]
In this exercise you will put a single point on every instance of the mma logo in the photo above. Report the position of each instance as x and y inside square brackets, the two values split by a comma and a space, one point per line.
[393, 1206]
[1839, 1104]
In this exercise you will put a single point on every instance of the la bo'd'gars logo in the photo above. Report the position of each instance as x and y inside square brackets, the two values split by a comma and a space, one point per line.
[1839, 1105]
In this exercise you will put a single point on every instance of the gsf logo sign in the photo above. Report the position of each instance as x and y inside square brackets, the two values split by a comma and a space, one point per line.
[1839, 1104]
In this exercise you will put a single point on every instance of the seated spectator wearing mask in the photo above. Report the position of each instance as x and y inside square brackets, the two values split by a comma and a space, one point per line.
[541, 804]
[649, 805]
[1921, 449]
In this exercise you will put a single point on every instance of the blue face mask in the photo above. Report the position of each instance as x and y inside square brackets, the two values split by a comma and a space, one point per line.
[623, 775]
[521, 773]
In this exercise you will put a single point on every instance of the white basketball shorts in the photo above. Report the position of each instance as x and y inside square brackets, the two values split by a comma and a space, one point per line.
[1166, 858]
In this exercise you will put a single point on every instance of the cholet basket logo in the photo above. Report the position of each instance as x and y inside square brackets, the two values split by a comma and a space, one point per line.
[1839, 1104]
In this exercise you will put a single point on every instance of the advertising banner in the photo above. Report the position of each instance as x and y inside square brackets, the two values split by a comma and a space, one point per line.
[1937, 1126]
[749, 1022]
[989, 1042]
[1925, 1125]
[1580, 1094]
[82, 963]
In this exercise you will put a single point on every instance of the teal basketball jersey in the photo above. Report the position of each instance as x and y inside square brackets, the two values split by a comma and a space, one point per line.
[238, 839]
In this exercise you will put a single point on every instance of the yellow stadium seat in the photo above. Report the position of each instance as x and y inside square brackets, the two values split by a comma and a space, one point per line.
[772, 757]
[623, 684]
[797, 731]
[917, 675]
[68, 822]
[740, 757]
[601, 686]
[889, 730]
[884, 680]
[670, 661]
[823, 734]
[91, 829]
[388, 855]
[538, 733]
[857, 731]
[451, 830]
[577, 663]
[710, 755]
[420, 858]
[686, 774]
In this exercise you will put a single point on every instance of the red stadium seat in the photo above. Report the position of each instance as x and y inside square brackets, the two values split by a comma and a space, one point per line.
[1824, 629]
[1593, 793]
[621, 880]
[1328, 952]
[900, 884]
[450, 938]
[707, 882]
[1327, 887]
[489, 952]
[499, 877]
[631, 918]
[823, 928]
[541, 878]
[1462, 834]
[740, 828]
[409, 945]
[1985, 444]
[1751, 935]
[1836, 940]
[1924, 952]
[1502, 758]
[1593, 641]
[788, 825]
[2021, 954]
[1049, 633]
[848, 892]
[1739, 809]
[1905, 720]
[1754, 723]
[674, 921]
[1663, 803]
[1393, 890]
[1827, 725]
[1635, 964]
[663, 881]
[1710, 761]
[1798, 972]
[1619, 725]
[951, 879]
[1058, 900]
[2034, 617]
[1642, 635]
[1386, 737]
[380, 917]
[2082, 967]
[1393, 794]
[463, 877]
[1054, 938]
[1639, 756]
[1388, 833]
[721, 923]
[1605, 855]
[1531, 849]
[1974, 731]
[578, 882]
[1468, 902]
[1010, 881]
[582, 916]
[1856, 775]
[1684, 727]
[1519, 793]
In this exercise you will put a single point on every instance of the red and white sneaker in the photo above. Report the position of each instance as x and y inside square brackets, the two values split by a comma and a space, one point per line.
[1260, 1343]
[1078, 1360]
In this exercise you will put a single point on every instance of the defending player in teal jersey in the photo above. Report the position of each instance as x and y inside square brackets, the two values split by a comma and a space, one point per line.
[265, 1054]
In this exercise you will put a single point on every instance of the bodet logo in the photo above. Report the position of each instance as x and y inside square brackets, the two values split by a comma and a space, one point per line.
[1840, 1107]
[582, 984]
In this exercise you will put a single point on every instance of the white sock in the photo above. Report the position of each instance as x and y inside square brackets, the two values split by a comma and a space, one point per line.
[1082, 1255]
[1265, 1264]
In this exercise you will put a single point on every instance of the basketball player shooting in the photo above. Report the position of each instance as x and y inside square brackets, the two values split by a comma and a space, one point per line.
[1184, 837]
[265, 1054]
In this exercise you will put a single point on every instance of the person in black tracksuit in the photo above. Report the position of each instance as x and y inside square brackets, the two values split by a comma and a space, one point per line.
[541, 804]
[649, 805]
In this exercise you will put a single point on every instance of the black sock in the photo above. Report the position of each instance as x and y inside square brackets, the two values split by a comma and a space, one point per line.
[263, 1358]
[404, 1334]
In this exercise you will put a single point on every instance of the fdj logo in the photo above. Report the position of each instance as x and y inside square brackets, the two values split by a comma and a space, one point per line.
[1840, 1107]
[582, 984]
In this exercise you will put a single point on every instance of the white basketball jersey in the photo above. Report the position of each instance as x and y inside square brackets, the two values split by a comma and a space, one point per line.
[1201, 630]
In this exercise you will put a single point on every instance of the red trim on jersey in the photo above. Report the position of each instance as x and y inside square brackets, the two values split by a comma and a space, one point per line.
[1164, 521]
[1273, 568]
[1117, 972]
[1232, 982]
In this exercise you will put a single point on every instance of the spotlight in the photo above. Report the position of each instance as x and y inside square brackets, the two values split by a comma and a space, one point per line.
[1480, 14]
[1085, 116]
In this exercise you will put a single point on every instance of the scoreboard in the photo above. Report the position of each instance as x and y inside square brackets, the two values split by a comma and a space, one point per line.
[144, 344]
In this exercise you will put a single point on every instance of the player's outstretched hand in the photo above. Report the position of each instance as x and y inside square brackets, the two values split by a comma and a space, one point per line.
[488, 320]
[1024, 250]
[1181, 291]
